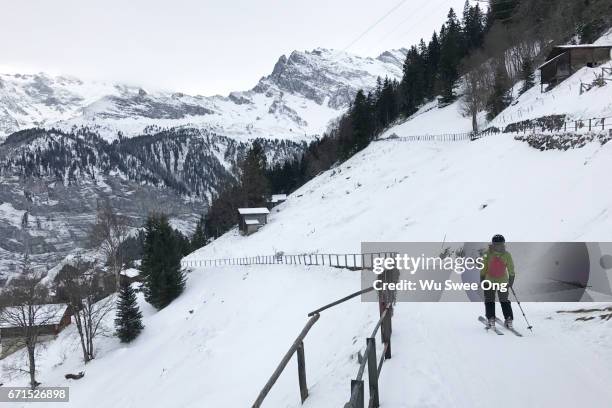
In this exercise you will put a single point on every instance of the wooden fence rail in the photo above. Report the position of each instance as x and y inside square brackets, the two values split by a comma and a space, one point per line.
[591, 124]
[374, 365]
[349, 261]
[296, 347]
[446, 137]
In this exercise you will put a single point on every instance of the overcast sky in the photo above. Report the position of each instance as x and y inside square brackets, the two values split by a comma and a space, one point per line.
[200, 46]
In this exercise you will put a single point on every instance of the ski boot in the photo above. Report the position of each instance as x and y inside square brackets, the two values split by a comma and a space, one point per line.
[491, 323]
[508, 324]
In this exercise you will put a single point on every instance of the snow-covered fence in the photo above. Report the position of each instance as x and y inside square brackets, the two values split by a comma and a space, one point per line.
[386, 300]
[348, 261]
[445, 137]
[558, 124]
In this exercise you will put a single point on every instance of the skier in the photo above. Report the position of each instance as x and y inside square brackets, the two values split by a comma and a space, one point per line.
[498, 268]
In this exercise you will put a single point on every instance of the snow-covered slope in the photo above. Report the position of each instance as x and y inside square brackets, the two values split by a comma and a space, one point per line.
[402, 191]
[199, 350]
[216, 345]
[296, 101]
[564, 99]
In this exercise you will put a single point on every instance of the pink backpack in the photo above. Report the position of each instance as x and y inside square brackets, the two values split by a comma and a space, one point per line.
[497, 267]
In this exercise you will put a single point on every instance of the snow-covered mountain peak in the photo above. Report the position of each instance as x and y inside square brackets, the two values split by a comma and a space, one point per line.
[303, 93]
[330, 76]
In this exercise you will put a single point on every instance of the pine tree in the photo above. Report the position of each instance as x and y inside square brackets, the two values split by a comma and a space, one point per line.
[128, 323]
[501, 10]
[527, 76]
[473, 26]
[253, 181]
[198, 240]
[164, 279]
[500, 97]
[451, 52]
[433, 63]
[362, 122]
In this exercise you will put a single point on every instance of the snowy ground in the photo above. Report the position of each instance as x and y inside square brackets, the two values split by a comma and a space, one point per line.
[443, 358]
[424, 191]
[218, 343]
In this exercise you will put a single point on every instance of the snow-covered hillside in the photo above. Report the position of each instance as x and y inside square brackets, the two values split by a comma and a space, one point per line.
[424, 191]
[304, 92]
[216, 345]
[202, 344]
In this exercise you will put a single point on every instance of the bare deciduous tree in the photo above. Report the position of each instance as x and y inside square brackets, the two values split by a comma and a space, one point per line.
[82, 285]
[476, 88]
[109, 231]
[25, 316]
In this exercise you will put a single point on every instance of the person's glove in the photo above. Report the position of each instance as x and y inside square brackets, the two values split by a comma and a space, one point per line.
[511, 281]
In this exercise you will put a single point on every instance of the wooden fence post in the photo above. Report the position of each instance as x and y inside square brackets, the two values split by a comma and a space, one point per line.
[372, 372]
[360, 397]
[301, 360]
[385, 332]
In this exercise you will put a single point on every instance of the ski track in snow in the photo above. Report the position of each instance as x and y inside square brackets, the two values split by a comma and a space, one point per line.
[444, 358]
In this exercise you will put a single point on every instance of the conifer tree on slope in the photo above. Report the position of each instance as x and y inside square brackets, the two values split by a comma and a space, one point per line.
[500, 98]
[451, 52]
[164, 279]
[198, 240]
[128, 322]
[527, 76]
[254, 184]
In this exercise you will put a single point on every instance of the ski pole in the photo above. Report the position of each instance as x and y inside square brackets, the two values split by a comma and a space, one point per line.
[529, 326]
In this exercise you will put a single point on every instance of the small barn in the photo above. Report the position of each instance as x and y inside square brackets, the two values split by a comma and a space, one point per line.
[564, 60]
[50, 320]
[276, 199]
[252, 219]
[130, 275]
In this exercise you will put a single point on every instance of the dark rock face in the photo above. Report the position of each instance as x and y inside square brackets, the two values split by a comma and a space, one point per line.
[145, 106]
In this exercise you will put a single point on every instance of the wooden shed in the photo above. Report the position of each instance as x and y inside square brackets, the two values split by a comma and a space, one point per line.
[565, 60]
[276, 199]
[50, 320]
[252, 219]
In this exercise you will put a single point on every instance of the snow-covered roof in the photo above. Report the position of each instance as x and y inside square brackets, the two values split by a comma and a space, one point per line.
[278, 197]
[46, 314]
[251, 222]
[569, 46]
[560, 50]
[131, 272]
[251, 211]
[551, 60]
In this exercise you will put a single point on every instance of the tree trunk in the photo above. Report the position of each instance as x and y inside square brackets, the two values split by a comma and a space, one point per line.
[79, 325]
[32, 364]
[475, 122]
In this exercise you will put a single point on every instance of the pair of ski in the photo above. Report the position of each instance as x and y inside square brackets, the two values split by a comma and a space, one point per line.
[496, 330]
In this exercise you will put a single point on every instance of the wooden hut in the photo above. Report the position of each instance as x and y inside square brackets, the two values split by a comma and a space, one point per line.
[252, 219]
[276, 199]
[50, 320]
[564, 60]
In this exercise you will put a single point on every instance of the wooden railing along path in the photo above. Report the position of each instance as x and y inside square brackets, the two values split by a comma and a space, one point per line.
[349, 261]
[385, 304]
